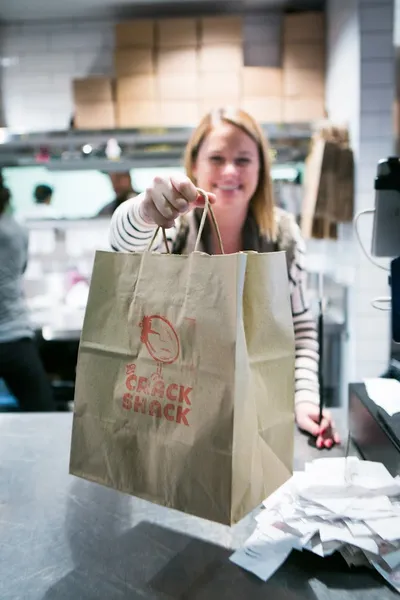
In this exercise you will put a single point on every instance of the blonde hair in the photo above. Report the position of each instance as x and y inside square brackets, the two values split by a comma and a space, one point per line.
[262, 202]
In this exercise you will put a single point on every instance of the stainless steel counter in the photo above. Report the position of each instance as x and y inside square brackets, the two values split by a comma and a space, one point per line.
[62, 538]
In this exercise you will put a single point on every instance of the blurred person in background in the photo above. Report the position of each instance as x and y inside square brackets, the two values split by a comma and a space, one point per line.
[228, 157]
[42, 209]
[20, 364]
[123, 188]
[43, 194]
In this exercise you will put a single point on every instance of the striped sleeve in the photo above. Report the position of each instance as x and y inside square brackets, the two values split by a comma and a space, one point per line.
[130, 233]
[305, 329]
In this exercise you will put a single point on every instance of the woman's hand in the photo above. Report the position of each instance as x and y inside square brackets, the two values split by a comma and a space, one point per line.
[168, 198]
[307, 419]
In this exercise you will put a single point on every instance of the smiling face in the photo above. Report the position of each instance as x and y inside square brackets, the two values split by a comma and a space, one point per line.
[228, 165]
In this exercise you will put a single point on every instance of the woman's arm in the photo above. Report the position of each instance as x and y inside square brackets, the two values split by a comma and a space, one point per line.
[163, 203]
[305, 330]
[129, 232]
[307, 393]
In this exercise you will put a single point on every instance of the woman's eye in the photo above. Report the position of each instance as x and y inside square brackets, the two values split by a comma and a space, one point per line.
[216, 160]
[242, 161]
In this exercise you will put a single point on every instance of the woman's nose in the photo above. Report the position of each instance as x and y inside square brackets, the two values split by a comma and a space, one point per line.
[229, 168]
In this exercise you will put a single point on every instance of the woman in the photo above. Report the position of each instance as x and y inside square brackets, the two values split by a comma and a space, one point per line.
[228, 156]
[20, 365]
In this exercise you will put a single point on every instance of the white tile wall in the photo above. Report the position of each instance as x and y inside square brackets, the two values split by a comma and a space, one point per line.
[377, 127]
[377, 81]
[376, 16]
[37, 89]
[343, 106]
[376, 72]
[376, 45]
[360, 91]
[376, 97]
[342, 82]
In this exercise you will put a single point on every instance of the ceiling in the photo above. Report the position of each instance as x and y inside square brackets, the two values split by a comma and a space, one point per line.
[17, 11]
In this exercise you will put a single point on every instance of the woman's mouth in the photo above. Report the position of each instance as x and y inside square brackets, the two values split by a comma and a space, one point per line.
[228, 188]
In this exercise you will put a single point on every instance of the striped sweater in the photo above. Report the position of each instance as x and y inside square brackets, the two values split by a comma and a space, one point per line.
[129, 233]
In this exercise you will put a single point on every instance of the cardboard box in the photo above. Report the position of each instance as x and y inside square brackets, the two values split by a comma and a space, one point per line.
[220, 30]
[207, 105]
[93, 89]
[95, 115]
[137, 33]
[304, 27]
[178, 87]
[178, 114]
[136, 88]
[137, 114]
[298, 110]
[304, 56]
[262, 81]
[172, 33]
[221, 58]
[264, 110]
[303, 82]
[226, 86]
[177, 61]
[136, 61]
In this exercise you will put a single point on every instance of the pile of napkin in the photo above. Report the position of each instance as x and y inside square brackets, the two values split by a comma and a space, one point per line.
[341, 505]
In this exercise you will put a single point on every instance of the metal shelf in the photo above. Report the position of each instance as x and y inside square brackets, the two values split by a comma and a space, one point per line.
[101, 164]
[76, 138]
[140, 148]
[142, 137]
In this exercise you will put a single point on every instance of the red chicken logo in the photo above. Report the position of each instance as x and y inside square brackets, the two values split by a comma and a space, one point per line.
[160, 339]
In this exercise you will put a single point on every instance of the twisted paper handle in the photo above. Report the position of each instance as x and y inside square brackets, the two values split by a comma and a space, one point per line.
[207, 208]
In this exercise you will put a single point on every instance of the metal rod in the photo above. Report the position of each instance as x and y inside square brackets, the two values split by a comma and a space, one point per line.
[321, 346]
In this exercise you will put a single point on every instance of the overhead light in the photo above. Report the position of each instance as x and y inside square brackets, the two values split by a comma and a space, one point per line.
[87, 149]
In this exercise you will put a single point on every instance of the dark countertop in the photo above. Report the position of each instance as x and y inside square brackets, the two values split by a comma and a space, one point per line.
[62, 538]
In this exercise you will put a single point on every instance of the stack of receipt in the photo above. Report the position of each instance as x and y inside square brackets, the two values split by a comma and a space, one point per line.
[341, 505]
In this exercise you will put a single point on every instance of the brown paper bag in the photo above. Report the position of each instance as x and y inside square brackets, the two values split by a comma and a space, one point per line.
[328, 184]
[185, 380]
[345, 186]
[312, 179]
